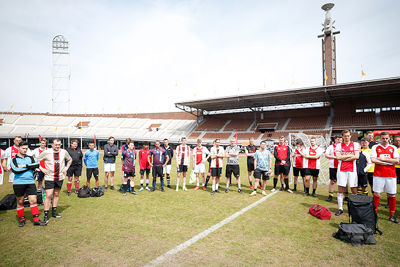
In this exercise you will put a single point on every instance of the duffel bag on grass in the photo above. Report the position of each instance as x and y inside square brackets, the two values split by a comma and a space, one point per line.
[320, 212]
[84, 192]
[356, 234]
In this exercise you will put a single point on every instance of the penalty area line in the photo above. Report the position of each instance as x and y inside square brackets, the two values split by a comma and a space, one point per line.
[205, 233]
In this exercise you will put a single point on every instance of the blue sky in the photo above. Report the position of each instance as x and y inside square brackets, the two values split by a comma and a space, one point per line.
[143, 56]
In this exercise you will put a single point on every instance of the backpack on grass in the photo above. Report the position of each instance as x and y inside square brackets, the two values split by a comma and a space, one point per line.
[356, 234]
[320, 212]
[9, 202]
[362, 211]
[97, 191]
[84, 192]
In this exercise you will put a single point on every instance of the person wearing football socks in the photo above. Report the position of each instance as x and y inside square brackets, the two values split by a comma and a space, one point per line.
[158, 159]
[129, 168]
[298, 164]
[282, 165]
[54, 160]
[333, 164]
[91, 160]
[200, 156]
[36, 152]
[250, 151]
[144, 166]
[23, 166]
[217, 155]
[312, 164]
[167, 168]
[385, 157]
[75, 170]
[262, 168]
[183, 162]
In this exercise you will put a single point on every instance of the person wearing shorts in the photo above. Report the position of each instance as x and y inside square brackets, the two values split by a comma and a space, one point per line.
[385, 157]
[158, 159]
[200, 156]
[364, 163]
[36, 152]
[144, 166]
[23, 166]
[182, 162]
[396, 143]
[232, 164]
[129, 169]
[312, 165]
[217, 155]
[250, 151]
[298, 163]
[282, 164]
[330, 154]
[347, 153]
[54, 160]
[91, 160]
[110, 153]
[167, 168]
[262, 168]
[76, 167]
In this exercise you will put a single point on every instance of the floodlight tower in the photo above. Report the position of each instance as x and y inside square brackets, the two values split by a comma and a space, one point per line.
[329, 74]
[60, 75]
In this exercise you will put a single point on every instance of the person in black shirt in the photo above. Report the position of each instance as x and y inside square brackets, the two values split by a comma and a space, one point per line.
[167, 168]
[76, 167]
[250, 152]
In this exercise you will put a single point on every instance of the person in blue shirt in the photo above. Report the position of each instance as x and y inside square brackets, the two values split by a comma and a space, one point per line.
[91, 160]
[23, 166]
[262, 168]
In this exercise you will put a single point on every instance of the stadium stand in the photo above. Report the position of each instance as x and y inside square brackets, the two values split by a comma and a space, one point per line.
[212, 124]
[238, 125]
[351, 120]
[390, 117]
[222, 136]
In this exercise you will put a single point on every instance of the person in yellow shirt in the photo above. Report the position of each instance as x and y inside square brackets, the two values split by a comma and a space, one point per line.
[396, 143]
[370, 173]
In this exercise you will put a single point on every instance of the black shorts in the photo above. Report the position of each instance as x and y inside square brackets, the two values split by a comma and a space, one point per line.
[74, 171]
[22, 189]
[94, 171]
[362, 180]
[53, 184]
[129, 174]
[297, 171]
[142, 171]
[312, 172]
[232, 169]
[250, 165]
[333, 174]
[216, 172]
[157, 171]
[40, 176]
[182, 168]
[282, 169]
[398, 175]
[258, 174]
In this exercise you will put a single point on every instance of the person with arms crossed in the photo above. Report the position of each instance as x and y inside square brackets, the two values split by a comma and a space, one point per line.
[158, 159]
[282, 164]
[182, 162]
[250, 151]
[312, 164]
[262, 168]
[23, 166]
[333, 165]
[167, 168]
[347, 153]
[110, 153]
[144, 166]
[217, 155]
[36, 152]
[385, 157]
[129, 168]
[76, 167]
[200, 156]
[54, 160]
[91, 160]
[10, 153]
[232, 164]
[298, 164]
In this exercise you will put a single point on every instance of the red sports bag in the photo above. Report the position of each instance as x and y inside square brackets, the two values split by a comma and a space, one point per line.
[320, 212]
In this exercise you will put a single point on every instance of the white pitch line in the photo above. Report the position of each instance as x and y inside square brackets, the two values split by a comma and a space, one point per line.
[205, 233]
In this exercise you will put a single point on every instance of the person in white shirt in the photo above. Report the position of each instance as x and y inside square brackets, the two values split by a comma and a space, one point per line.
[36, 152]
[200, 156]
[182, 162]
[312, 164]
[217, 155]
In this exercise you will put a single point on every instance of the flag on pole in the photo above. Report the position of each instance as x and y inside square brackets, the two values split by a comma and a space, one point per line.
[40, 138]
[363, 73]
[95, 140]
[326, 77]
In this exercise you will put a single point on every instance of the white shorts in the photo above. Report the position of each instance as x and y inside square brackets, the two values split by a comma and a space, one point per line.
[201, 168]
[167, 169]
[344, 178]
[109, 167]
[385, 184]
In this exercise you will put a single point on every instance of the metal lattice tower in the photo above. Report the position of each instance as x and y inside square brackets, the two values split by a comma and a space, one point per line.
[60, 75]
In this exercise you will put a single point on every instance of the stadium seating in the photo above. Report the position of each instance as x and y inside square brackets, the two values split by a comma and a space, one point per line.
[309, 122]
[222, 136]
[366, 119]
[238, 125]
[390, 117]
[212, 124]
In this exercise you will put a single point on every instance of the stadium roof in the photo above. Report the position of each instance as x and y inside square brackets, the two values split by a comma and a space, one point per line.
[389, 88]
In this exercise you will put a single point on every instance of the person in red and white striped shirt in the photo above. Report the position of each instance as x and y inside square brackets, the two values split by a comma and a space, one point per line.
[200, 156]
[385, 157]
[182, 162]
[333, 164]
[312, 165]
[347, 153]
